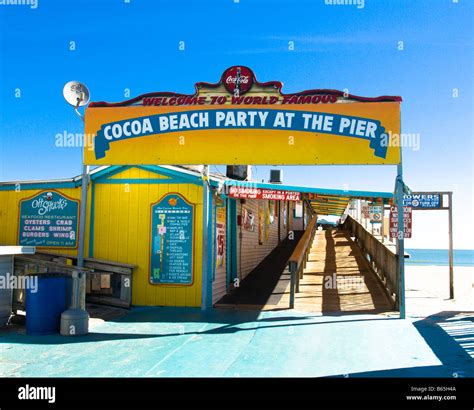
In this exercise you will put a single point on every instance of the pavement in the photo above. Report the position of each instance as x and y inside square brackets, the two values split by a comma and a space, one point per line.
[436, 340]
[172, 342]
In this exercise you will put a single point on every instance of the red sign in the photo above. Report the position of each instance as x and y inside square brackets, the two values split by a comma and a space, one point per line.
[259, 193]
[243, 89]
[365, 211]
[407, 221]
[237, 78]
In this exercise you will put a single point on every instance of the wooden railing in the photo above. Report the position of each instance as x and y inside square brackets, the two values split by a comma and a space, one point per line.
[382, 260]
[105, 282]
[298, 258]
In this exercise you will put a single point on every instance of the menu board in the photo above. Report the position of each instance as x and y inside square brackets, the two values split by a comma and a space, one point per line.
[48, 219]
[172, 234]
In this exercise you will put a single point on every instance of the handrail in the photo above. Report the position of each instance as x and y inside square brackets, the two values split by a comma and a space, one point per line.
[298, 258]
[382, 261]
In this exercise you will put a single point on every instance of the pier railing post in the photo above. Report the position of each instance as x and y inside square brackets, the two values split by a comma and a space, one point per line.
[293, 273]
[298, 278]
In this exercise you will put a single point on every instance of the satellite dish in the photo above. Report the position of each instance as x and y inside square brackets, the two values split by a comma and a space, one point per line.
[76, 93]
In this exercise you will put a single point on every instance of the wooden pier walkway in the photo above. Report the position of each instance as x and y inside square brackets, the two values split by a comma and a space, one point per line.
[337, 278]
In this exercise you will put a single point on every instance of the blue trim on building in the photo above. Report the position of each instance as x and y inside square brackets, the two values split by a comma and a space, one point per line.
[174, 177]
[231, 248]
[190, 179]
[108, 172]
[210, 251]
[142, 181]
[322, 191]
[38, 185]
[228, 242]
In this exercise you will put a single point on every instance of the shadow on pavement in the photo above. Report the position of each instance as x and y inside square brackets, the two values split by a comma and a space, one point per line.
[450, 335]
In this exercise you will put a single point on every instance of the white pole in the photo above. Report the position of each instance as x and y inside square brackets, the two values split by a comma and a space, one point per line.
[82, 216]
[80, 277]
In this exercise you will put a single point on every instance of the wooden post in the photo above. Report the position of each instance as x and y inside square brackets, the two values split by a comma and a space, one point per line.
[383, 222]
[298, 276]
[450, 252]
[293, 273]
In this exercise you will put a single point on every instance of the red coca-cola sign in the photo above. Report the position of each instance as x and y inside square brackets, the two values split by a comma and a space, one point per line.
[237, 78]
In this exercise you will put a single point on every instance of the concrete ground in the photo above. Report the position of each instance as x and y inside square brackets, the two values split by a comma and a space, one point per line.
[165, 342]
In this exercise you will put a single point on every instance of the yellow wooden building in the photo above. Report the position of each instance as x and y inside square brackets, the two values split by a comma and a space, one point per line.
[119, 227]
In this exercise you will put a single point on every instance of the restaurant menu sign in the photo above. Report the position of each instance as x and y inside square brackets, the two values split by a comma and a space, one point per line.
[259, 193]
[48, 219]
[172, 234]
[407, 221]
[422, 201]
[242, 121]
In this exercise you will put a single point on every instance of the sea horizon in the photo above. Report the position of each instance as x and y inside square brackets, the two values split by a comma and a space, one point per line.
[439, 257]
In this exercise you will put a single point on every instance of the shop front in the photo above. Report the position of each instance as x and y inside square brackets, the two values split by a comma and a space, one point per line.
[193, 236]
[150, 217]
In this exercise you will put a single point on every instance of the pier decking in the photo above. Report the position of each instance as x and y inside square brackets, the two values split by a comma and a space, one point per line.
[337, 278]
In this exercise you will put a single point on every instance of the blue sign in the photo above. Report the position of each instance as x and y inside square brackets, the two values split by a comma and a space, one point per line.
[49, 219]
[307, 121]
[422, 201]
[172, 234]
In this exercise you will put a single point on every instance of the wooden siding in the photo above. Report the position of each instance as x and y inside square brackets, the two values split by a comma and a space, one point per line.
[122, 214]
[249, 252]
[283, 224]
[296, 223]
[122, 233]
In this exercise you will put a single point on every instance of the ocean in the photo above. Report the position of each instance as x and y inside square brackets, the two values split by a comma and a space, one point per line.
[439, 257]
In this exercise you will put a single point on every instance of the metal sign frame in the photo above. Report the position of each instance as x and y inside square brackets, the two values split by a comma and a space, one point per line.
[448, 208]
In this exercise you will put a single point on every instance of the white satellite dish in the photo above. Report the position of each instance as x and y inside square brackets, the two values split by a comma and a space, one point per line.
[76, 93]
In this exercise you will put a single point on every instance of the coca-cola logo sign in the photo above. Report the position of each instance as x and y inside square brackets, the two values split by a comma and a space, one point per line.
[237, 80]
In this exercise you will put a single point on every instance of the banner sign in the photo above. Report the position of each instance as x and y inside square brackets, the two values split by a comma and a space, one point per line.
[259, 193]
[172, 236]
[248, 220]
[407, 221]
[423, 201]
[48, 219]
[292, 130]
[375, 214]
[239, 86]
[261, 222]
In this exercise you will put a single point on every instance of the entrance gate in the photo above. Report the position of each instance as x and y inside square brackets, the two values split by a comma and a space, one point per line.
[242, 121]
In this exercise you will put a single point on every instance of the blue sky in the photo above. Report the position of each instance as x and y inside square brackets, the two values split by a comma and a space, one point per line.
[135, 45]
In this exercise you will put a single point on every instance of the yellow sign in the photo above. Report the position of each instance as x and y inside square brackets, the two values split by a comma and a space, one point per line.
[340, 133]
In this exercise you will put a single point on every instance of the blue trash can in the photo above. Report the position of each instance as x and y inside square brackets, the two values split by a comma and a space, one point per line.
[44, 307]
